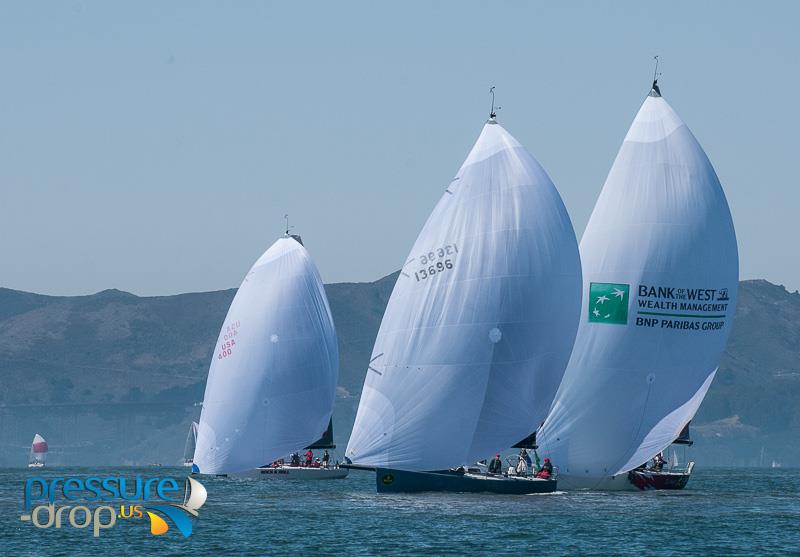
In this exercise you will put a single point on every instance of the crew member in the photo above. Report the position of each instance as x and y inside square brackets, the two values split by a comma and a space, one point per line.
[496, 465]
[546, 470]
[524, 454]
[522, 466]
[658, 462]
[309, 457]
[325, 458]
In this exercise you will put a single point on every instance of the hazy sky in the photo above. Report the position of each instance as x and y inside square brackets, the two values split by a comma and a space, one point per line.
[154, 147]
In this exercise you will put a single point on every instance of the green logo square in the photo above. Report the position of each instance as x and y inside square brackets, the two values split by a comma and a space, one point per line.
[608, 303]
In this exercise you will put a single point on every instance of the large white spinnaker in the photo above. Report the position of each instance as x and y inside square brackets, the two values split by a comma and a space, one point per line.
[660, 275]
[480, 324]
[272, 381]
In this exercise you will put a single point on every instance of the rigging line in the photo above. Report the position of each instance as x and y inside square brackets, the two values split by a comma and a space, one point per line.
[493, 113]
[655, 72]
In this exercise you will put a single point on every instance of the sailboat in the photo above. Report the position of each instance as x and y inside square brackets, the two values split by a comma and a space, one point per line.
[191, 443]
[294, 468]
[662, 475]
[272, 381]
[660, 276]
[38, 454]
[477, 332]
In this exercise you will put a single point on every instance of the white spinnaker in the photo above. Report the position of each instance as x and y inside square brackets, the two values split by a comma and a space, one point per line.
[479, 327]
[661, 221]
[272, 381]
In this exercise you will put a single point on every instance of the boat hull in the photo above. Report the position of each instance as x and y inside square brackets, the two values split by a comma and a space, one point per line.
[389, 480]
[635, 480]
[293, 473]
[646, 480]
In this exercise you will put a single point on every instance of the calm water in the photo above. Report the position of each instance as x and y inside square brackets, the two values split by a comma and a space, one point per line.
[722, 512]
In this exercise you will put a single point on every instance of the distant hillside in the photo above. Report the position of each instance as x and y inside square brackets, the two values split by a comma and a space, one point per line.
[114, 378]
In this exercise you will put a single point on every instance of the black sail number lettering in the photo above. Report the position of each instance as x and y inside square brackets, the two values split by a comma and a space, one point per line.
[436, 261]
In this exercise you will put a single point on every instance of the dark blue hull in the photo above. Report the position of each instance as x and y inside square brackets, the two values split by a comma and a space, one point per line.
[389, 480]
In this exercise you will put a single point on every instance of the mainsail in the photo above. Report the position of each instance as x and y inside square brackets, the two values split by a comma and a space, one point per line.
[272, 381]
[481, 321]
[38, 452]
[191, 443]
[660, 274]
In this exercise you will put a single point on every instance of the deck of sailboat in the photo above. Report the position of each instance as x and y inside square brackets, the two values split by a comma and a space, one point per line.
[294, 473]
[391, 480]
[635, 480]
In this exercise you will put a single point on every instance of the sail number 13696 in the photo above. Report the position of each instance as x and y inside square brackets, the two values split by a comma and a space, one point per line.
[436, 261]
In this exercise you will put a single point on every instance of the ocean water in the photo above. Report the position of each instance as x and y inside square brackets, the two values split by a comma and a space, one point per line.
[721, 512]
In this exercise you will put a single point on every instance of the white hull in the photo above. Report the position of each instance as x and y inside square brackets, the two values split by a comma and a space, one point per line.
[293, 473]
[36, 465]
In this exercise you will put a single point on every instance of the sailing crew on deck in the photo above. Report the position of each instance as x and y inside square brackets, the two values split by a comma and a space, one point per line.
[522, 466]
[326, 458]
[295, 459]
[309, 457]
[496, 465]
[658, 462]
[525, 456]
[546, 470]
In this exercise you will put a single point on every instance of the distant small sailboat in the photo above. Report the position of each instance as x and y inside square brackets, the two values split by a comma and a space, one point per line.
[775, 464]
[272, 381]
[191, 443]
[477, 332]
[38, 454]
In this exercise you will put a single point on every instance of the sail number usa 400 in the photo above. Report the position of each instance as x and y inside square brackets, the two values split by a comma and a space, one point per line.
[228, 341]
[436, 261]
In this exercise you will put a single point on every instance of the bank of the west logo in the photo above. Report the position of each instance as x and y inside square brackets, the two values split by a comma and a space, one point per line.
[608, 303]
[135, 501]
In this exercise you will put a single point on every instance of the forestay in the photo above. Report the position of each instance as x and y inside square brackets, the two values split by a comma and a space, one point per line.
[479, 327]
[660, 274]
[272, 381]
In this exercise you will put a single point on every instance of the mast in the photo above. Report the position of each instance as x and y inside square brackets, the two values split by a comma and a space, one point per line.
[654, 90]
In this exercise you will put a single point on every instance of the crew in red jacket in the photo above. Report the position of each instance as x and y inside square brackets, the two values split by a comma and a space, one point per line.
[546, 470]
